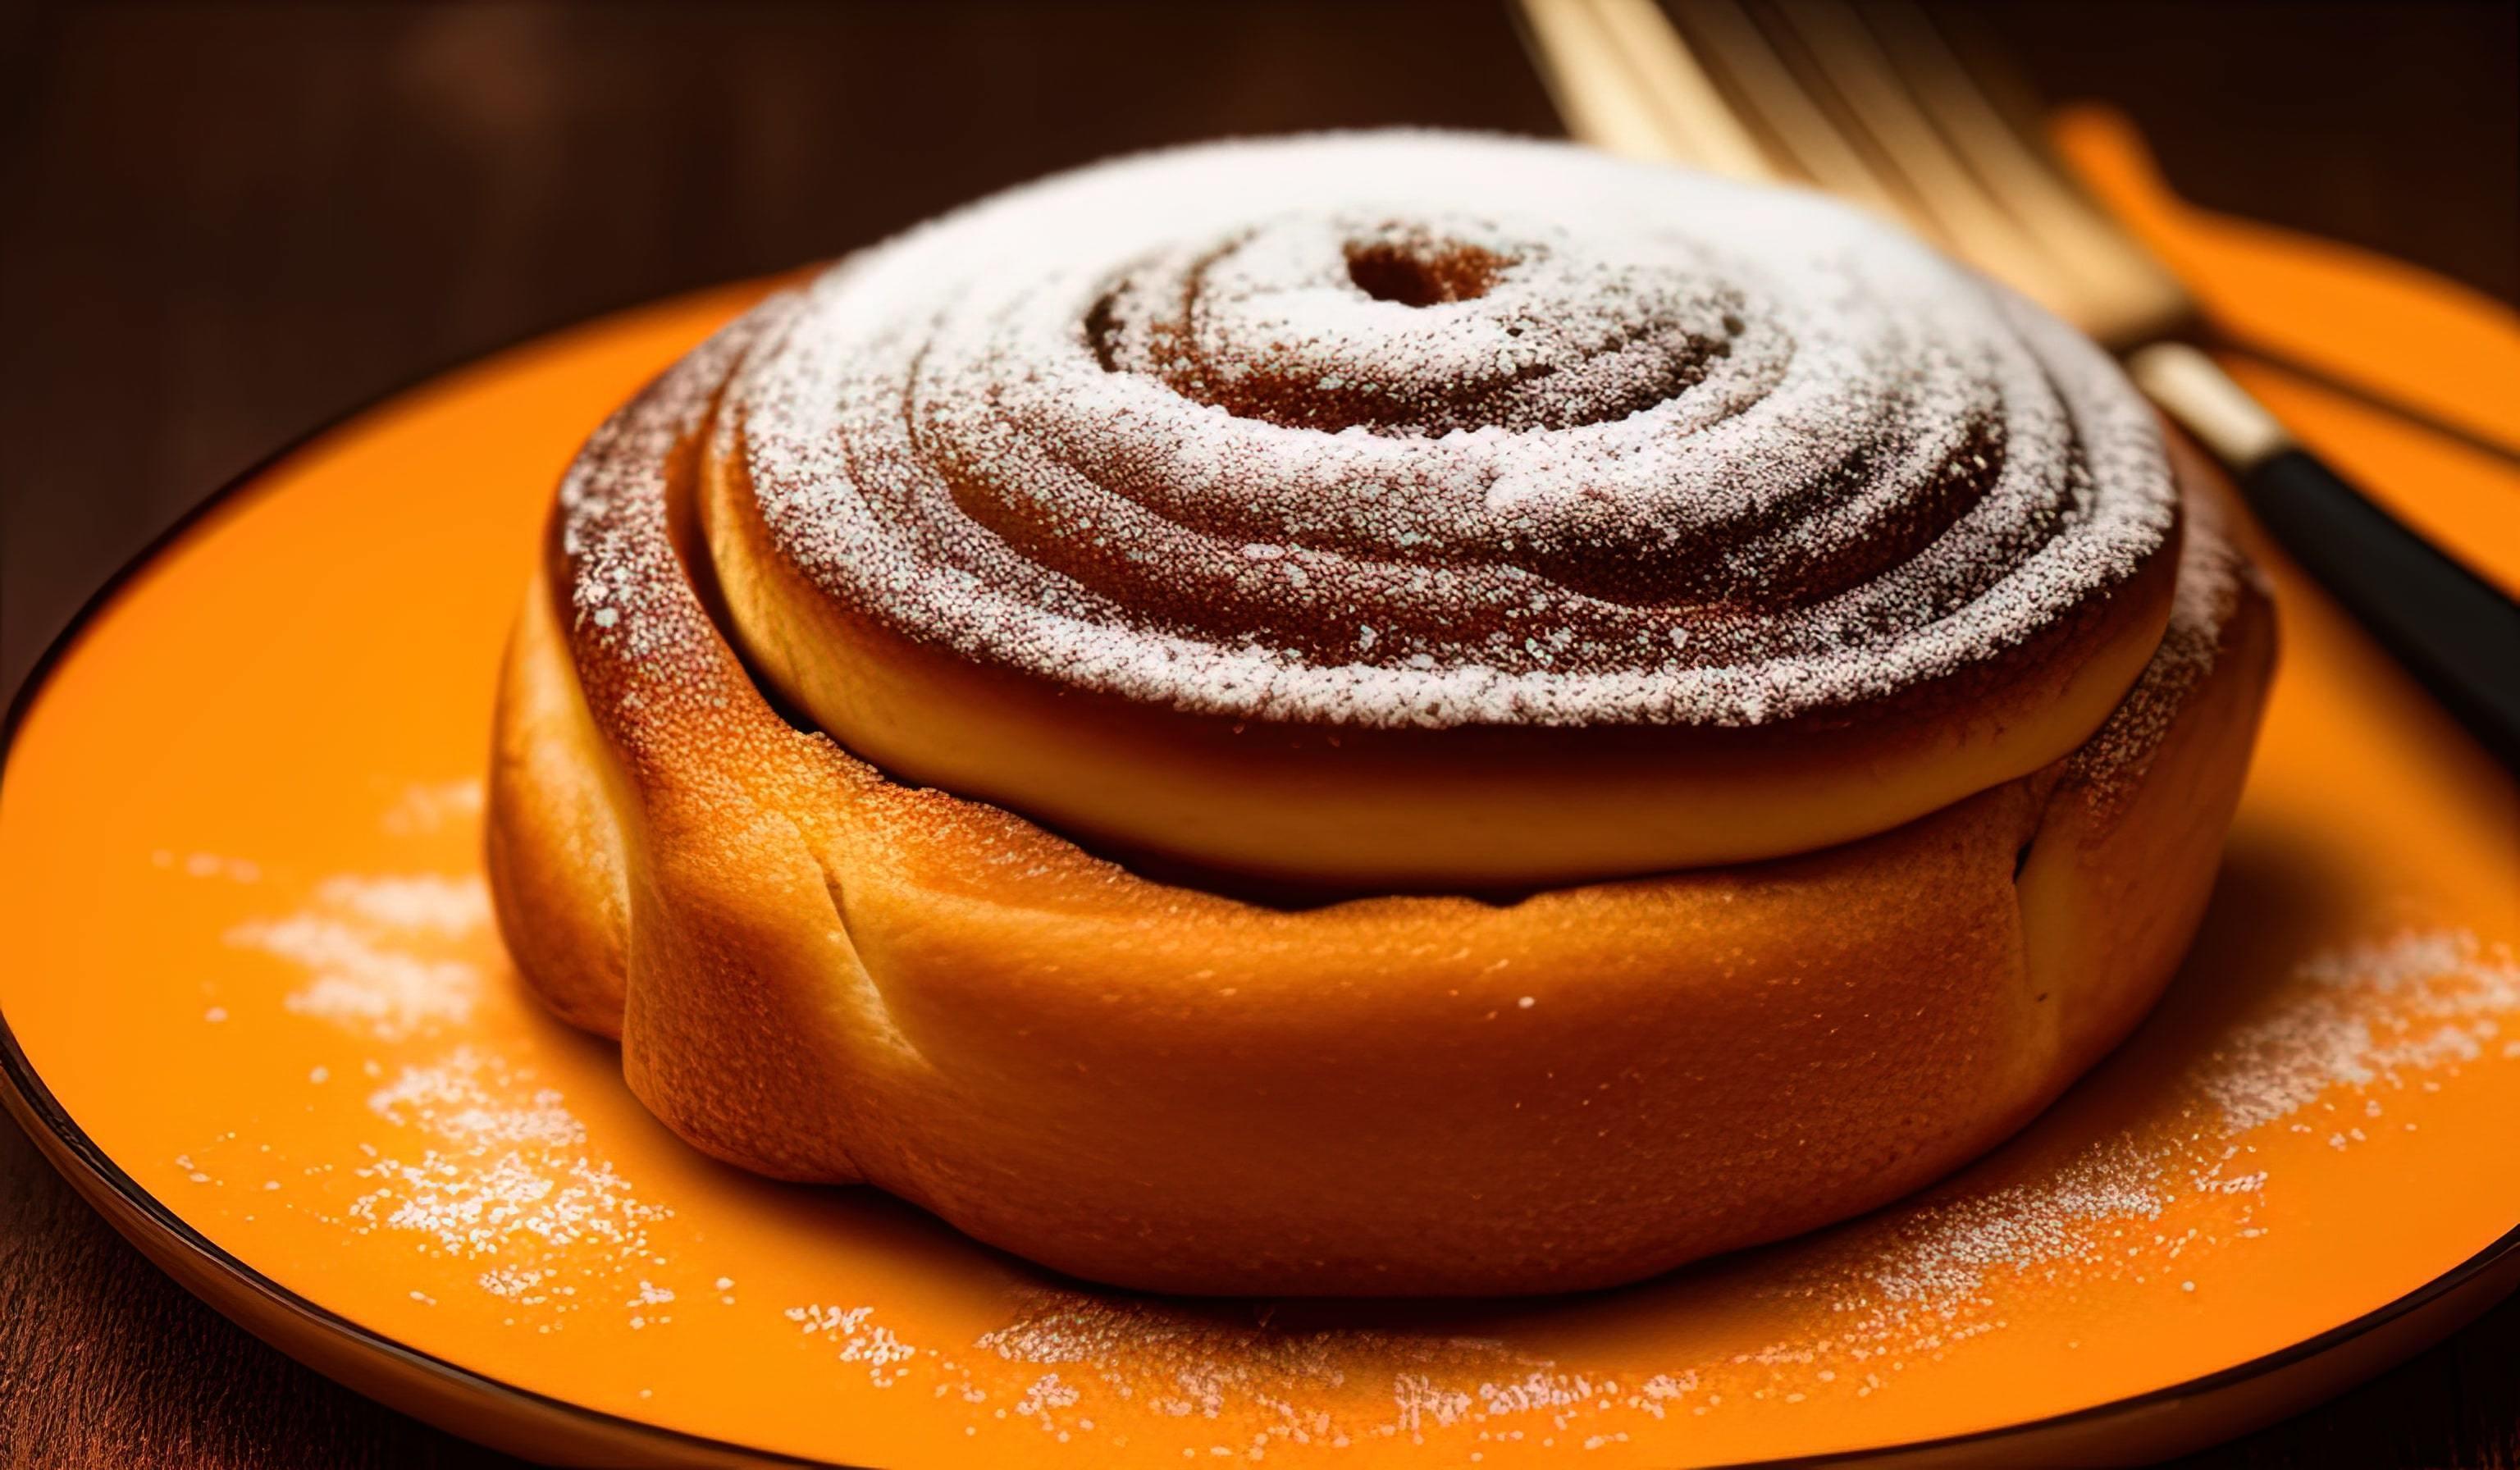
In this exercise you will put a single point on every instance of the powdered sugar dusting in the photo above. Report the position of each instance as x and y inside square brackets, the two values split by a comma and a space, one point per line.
[501, 1174]
[2214, 579]
[425, 807]
[2446, 998]
[858, 1338]
[474, 1157]
[380, 951]
[426, 903]
[1414, 430]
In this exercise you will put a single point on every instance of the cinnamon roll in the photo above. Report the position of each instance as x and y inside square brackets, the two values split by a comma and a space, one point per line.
[1374, 714]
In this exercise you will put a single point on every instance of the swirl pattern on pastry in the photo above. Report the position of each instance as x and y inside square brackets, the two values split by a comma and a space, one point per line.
[1689, 454]
[1629, 455]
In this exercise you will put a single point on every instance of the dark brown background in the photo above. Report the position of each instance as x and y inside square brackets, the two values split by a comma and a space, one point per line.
[222, 225]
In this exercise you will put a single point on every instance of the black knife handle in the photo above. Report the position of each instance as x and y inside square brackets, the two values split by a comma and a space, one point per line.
[2456, 633]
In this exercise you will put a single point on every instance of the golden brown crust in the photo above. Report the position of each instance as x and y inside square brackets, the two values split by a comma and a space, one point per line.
[1400, 810]
[554, 853]
[1846, 596]
[829, 977]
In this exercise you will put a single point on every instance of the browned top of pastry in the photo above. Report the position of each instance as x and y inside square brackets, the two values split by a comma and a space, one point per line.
[1392, 430]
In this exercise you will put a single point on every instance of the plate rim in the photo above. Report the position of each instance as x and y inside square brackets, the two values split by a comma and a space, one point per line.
[33, 1106]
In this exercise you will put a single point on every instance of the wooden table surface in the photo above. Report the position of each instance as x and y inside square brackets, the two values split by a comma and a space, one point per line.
[222, 225]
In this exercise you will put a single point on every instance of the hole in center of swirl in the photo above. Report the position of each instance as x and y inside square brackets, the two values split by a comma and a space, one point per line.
[1423, 271]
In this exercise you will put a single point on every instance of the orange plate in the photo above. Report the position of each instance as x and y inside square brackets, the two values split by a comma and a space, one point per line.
[259, 1015]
